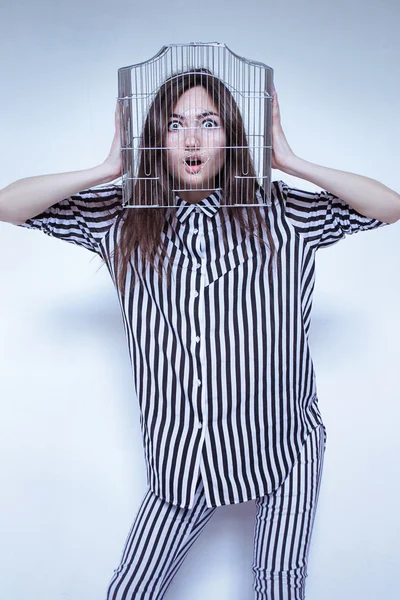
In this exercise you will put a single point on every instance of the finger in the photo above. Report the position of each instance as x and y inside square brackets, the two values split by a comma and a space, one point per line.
[275, 105]
[117, 115]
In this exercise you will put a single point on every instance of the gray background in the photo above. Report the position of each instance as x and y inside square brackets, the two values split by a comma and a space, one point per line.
[71, 460]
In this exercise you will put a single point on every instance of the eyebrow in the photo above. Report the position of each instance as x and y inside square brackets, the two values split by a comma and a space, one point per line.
[199, 116]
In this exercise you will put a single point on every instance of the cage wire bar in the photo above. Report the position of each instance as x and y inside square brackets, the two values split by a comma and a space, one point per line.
[164, 154]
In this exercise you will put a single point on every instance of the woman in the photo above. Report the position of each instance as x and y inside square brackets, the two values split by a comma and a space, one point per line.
[216, 304]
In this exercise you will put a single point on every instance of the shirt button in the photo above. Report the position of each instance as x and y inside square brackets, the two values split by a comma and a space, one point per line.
[195, 231]
[200, 425]
[197, 339]
[197, 265]
[195, 294]
[198, 382]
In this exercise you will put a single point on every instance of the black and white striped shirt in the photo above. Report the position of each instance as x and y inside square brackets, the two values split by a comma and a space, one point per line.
[220, 356]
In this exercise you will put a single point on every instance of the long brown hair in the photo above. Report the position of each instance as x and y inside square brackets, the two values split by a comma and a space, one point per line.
[141, 228]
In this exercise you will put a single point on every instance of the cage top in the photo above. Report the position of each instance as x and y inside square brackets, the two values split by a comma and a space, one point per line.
[168, 48]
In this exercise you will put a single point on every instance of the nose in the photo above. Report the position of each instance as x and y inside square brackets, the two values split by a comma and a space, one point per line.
[192, 138]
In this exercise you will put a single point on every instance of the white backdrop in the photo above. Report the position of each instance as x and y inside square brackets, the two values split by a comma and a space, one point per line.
[71, 461]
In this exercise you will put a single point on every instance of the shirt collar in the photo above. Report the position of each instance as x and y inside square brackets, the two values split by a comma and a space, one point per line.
[209, 206]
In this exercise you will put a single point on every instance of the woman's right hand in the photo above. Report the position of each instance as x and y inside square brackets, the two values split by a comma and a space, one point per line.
[114, 160]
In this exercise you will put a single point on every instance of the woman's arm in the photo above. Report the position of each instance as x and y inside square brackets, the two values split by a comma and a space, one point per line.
[29, 197]
[367, 196]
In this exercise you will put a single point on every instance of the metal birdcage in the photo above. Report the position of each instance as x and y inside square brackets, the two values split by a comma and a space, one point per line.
[194, 118]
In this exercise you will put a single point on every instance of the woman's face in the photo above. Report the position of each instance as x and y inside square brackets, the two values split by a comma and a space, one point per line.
[195, 144]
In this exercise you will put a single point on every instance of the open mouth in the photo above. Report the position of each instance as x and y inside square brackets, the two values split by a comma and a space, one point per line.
[195, 163]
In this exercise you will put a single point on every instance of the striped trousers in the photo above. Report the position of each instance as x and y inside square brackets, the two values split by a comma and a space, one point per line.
[162, 535]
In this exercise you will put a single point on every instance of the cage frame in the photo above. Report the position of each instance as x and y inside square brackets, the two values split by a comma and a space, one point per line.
[131, 153]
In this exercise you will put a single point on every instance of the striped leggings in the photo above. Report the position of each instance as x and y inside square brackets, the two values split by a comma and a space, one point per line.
[162, 534]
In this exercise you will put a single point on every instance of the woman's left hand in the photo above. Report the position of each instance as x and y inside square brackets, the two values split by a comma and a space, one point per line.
[282, 154]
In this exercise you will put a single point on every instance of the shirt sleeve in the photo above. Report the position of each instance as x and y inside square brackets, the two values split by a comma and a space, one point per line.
[83, 219]
[321, 216]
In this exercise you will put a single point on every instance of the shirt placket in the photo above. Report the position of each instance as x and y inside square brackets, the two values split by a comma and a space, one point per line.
[198, 345]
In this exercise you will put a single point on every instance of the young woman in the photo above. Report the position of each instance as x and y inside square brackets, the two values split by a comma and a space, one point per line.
[216, 304]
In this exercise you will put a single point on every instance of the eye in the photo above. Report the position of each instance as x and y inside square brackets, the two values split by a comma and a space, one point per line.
[210, 123]
[174, 126]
